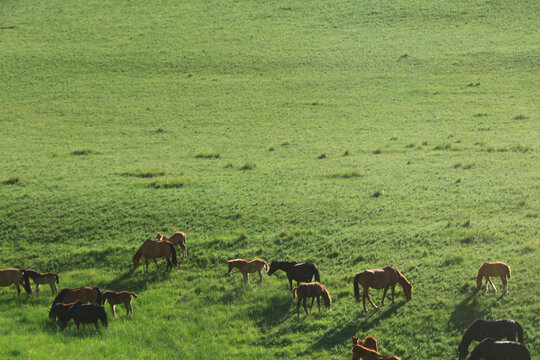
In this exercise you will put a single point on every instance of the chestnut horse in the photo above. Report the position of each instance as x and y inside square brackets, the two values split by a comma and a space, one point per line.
[42, 278]
[15, 277]
[312, 290]
[493, 269]
[379, 279]
[155, 249]
[122, 297]
[83, 294]
[178, 238]
[246, 267]
[490, 349]
[495, 329]
[369, 342]
[362, 352]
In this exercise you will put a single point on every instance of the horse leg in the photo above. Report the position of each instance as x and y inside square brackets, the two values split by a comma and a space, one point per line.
[246, 278]
[371, 301]
[146, 262]
[492, 284]
[505, 284]
[95, 324]
[393, 293]
[290, 284]
[113, 310]
[298, 307]
[37, 289]
[127, 308]
[52, 285]
[319, 303]
[383, 295]
[305, 307]
[487, 284]
[18, 289]
[312, 302]
[260, 275]
[155, 261]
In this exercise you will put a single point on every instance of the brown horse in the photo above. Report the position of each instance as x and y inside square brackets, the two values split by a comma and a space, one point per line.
[247, 267]
[369, 342]
[493, 269]
[155, 249]
[178, 238]
[312, 290]
[42, 278]
[59, 311]
[83, 294]
[122, 297]
[362, 352]
[15, 277]
[379, 279]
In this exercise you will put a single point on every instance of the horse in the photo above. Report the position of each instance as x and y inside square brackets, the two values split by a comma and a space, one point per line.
[490, 349]
[246, 267]
[155, 249]
[312, 290]
[378, 279]
[83, 294]
[362, 352]
[15, 277]
[300, 272]
[60, 311]
[495, 329]
[369, 342]
[122, 297]
[86, 314]
[493, 269]
[42, 278]
[176, 239]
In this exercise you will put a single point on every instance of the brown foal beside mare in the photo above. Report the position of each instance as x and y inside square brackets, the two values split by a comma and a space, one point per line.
[247, 267]
[362, 352]
[41, 279]
[122, 297]
[488, 269]
[15, 277]
[178, 238]
[312, 290]
[369, 342]
[155, 249]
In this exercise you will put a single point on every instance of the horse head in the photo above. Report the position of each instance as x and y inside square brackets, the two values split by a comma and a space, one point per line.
[230, 263]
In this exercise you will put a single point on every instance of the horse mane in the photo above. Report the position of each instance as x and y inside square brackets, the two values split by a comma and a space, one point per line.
[57, 278]
[326, 296]
[173, 253]
[402, 279]
[138, 254]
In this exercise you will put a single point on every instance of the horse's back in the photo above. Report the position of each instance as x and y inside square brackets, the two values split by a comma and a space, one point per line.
[501, 350]
[9, 276]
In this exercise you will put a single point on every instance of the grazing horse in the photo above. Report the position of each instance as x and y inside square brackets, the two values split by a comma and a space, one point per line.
[490, 349]
[15, 277]
[86, 314]
[369, 342]
[379, 279]
[493, 269]
[60, 311]
[155, 249]
[83, 294]
[42, 278]
[122, 297]
[312, 290]
[247, 267]
[495, 329]
[362, 352]
[178, 238]
[300, 272]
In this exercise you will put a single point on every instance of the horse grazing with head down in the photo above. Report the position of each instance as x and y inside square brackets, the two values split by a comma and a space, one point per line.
[300, 272]
[247, 267]
[488, 269]
[384, 278]
[490, 349]
[369, 342]
[178, 238]
[155, 249]
[84, 313]
[42, 278]
[312, 290]
[83, 294]
[362, 352]
[495, 329]
[15, 277]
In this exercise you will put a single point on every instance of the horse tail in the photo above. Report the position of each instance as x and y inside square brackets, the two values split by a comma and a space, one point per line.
[26, 282]
[508, 271]
[356, 287]
[294, 291]
[132, 294]
[519, 332]
[316, 272]
[99, 296]
[57, 278]
[174, 256]
[266, 265]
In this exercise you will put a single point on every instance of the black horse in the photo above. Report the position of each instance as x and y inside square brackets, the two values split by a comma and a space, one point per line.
[495, 329]
[301, 272]
[84, 313]
[490, 349]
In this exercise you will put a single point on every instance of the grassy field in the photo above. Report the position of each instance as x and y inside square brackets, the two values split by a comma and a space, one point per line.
[350, 134]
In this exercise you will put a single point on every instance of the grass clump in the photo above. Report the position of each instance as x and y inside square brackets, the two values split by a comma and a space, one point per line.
[248, 166]
[208, 155]
[82, 152]
[170, 183]
[377, 151]
[144, 173]
[347, 152]
[322, 156]
[11, 181]
[347, 174]
[286, 142]
[271, 147]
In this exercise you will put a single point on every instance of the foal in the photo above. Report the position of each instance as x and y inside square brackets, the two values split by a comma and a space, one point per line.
[361, 352]
[122, 297]
[42, 278]
[178, 238]
[369, 342]
[312, 290]
[493, 269]
[247, 267]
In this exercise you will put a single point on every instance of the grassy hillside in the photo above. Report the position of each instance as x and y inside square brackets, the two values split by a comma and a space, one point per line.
[350, 134]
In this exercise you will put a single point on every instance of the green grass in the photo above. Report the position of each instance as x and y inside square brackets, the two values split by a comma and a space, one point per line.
[107, 105]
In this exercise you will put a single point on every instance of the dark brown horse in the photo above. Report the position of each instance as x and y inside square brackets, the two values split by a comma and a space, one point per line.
[178, 238]
[384, 278]
[155, 249]
[495, 329]
[490, 349]
[312, 290]
[300, 272]
[83, 294]
[84, 313]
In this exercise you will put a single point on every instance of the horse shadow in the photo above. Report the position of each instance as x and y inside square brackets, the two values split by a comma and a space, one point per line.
[273, 313]
[85, 331]
[135, 281]
[468, 310]
[336, 335]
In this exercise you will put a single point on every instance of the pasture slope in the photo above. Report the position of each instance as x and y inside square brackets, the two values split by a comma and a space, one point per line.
[353, 134]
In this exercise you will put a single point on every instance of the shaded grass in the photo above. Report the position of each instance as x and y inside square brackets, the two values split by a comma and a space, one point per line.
[170, 183]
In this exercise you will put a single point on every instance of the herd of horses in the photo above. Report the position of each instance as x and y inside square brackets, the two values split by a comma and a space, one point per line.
[85, 304]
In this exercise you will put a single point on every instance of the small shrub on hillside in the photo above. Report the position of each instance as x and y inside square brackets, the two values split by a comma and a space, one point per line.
[347, 152]
[11, 181]
[410, 145]
[82, 152]
[248, 166]
[160, 130]
[208, 155]
[271, 147]
[322, 156]
[480, 115]
[229, 166]
[144, 173]
[377, 151]
[170, 183]
[347, 174]
[521, 116]
[377, 193]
